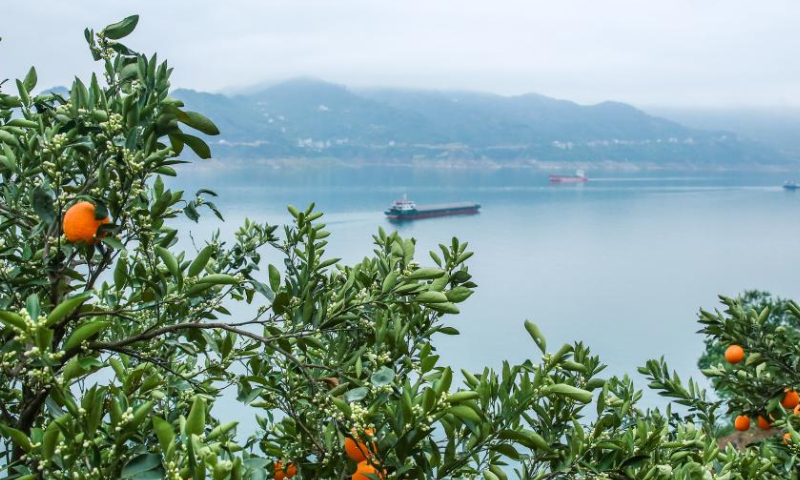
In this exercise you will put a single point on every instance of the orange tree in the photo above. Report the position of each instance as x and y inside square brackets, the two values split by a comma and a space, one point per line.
[117, 345]
[761, 382]
[779, 315]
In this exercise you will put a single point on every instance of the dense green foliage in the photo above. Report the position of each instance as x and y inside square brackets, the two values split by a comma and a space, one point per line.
[768, 331]
[779, 315]
[115, 354]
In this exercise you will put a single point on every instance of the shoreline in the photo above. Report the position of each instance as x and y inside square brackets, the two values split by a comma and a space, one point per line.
[301, 163]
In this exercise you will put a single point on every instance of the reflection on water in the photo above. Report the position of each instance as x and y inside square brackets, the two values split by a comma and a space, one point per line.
[622, 263]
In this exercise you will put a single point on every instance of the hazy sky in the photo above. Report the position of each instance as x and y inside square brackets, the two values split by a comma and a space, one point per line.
[646, 52]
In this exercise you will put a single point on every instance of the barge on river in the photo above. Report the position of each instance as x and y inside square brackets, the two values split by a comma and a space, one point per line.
[406, 209]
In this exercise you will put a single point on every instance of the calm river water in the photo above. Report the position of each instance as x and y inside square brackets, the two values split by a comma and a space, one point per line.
[622, 263]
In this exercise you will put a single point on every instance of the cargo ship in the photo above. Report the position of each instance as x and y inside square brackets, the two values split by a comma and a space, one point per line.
[408, 210]
[791, 185]
[579, 177]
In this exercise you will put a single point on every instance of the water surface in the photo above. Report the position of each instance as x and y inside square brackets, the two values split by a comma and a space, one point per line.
[622, 263]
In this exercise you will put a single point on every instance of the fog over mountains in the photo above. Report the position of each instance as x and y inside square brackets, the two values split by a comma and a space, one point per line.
[312, 119]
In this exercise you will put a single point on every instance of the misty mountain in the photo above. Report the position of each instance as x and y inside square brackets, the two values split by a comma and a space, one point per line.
[778, 128]
[306, 118]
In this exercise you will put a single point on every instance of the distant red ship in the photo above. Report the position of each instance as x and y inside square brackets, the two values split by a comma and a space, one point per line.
[579, 177]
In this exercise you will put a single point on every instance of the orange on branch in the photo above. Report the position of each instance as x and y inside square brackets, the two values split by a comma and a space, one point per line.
[742, 423]
[791, 399]
[364, 469]
[282, 473]
[80, 224]
[787, 437]
[358, 450]
[734, 354]
[763, 423]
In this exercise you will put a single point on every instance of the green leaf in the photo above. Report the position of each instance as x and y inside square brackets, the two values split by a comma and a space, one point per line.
[121, 29]
[219, 279]
[141, 412]
[465, 413]
[389, 282]
[525, 437]
[169, 261]
[8, 163]
[66, 307]
[753, 358]
[201, 261]
[426, 274]
[463, 396]
[84, 332]
[197, 145]
[13, 320]
[281, 303]
[8, 138]
[17, 437]
[595, 383]
[263, 289]
[140, 464]
[31, 79]
[274, 278]
[100, 210]
[446, 307]
[43, 205]
[154, 474]
[431, 297]
[356, 394]
[573, 366]
[50, 438]
[536, 335]
[458, 294]
[635, 461]
[196, 421]
[447, 331]
[384, 376]
[21, 122]
[198, 122]
[114, 243]
[164, 432]
[507, 450]
[190, 210]
[571, 392]
[72, 369]
[498, 472]
[342, 406]
[23, 93]
[220, 430]
[33, 307]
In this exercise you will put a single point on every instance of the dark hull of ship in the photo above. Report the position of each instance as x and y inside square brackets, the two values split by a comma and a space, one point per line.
[421, 213]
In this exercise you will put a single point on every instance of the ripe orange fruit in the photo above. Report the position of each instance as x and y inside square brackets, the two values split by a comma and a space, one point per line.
[365, 468]
[797, 410]
[742, 423]
[79, 224]
[358, 450]
[763, 423]
[734, 354]
[791, 399]
[281, 473]
[787, 437]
